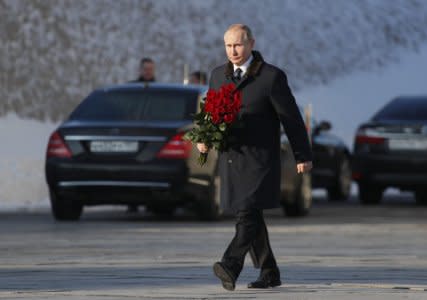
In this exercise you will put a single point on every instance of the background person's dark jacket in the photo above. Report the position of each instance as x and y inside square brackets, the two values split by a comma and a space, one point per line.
[142, 79]
[250, 171]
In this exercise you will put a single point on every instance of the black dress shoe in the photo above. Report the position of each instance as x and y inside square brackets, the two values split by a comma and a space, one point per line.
[225, 275]
[265, 282]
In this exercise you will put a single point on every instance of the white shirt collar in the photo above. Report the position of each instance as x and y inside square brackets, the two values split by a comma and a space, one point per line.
[245, 66]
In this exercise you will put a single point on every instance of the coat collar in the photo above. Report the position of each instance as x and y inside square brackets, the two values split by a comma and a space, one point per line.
[252, 71]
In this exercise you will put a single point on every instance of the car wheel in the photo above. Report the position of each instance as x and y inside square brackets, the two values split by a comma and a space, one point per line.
[301, 201]
[369, 193]
[421, 196]
[209, 209]
[341, 189]
[65, 209]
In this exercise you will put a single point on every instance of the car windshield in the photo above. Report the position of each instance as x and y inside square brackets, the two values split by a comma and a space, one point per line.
[137, 105]
[411, 109]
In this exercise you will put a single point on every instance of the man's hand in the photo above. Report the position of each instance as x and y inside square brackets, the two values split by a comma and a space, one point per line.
[202, 148]
[304, 167]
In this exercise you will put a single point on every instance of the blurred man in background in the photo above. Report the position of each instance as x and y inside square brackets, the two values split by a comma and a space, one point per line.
[147, 70]
[198, 77]
[147, 73]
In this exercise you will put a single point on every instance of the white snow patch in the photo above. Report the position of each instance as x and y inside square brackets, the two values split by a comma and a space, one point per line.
[22, 152]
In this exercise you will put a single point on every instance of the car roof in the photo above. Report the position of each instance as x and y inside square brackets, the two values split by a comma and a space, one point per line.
[411, 99]
[152, 85]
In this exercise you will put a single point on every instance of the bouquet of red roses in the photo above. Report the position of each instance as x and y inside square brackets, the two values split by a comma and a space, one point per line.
[218, 114]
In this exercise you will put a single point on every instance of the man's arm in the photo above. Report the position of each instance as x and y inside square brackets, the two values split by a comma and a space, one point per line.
[290, 117]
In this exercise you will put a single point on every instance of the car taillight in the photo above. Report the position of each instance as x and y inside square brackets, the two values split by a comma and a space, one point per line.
[57, 147]
[372, 140]
[365, 137]
[176, 148]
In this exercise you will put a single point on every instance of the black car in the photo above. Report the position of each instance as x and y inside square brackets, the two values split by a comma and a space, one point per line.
[331, 170]
[390, 150]
[331, 162]
[123, 145]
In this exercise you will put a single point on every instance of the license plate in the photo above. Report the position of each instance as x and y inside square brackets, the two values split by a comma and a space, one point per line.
[113, 146]
[407, 144]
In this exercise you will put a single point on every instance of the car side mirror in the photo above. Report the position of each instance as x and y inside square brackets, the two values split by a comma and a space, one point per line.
[322, 126]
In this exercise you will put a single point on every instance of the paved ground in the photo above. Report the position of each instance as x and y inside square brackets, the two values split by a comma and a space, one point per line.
[341, 251]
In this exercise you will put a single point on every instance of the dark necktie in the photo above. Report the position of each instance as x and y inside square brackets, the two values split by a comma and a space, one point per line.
[238, 74]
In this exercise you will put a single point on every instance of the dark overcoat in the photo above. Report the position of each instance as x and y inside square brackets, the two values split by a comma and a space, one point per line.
[250, 170]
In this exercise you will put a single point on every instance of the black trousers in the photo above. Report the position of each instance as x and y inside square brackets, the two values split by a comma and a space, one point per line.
[251, 235]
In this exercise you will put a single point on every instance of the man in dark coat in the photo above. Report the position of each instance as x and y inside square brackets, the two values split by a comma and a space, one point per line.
[250, 170]
[147, 73]
[147, 70]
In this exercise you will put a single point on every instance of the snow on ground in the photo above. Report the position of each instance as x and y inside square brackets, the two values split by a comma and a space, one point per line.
[23, 146]
[346, 102]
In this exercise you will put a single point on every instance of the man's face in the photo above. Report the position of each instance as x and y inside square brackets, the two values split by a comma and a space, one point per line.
[194, 80]
[238, 48]
[147, 70]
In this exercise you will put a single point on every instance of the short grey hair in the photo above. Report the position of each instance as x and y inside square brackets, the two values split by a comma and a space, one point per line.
[245, 28]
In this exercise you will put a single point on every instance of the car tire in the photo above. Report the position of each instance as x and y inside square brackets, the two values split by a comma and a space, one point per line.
[340, 191]
[209, 209]
[301, 199]
[65, 209]
[421, 196]
[369, 194]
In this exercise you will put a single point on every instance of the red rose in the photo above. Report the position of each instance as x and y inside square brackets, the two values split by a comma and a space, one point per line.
[229, 118]
[210, 94]
[216, 119]
[220, 107]
[208, 107]
[228, 89]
